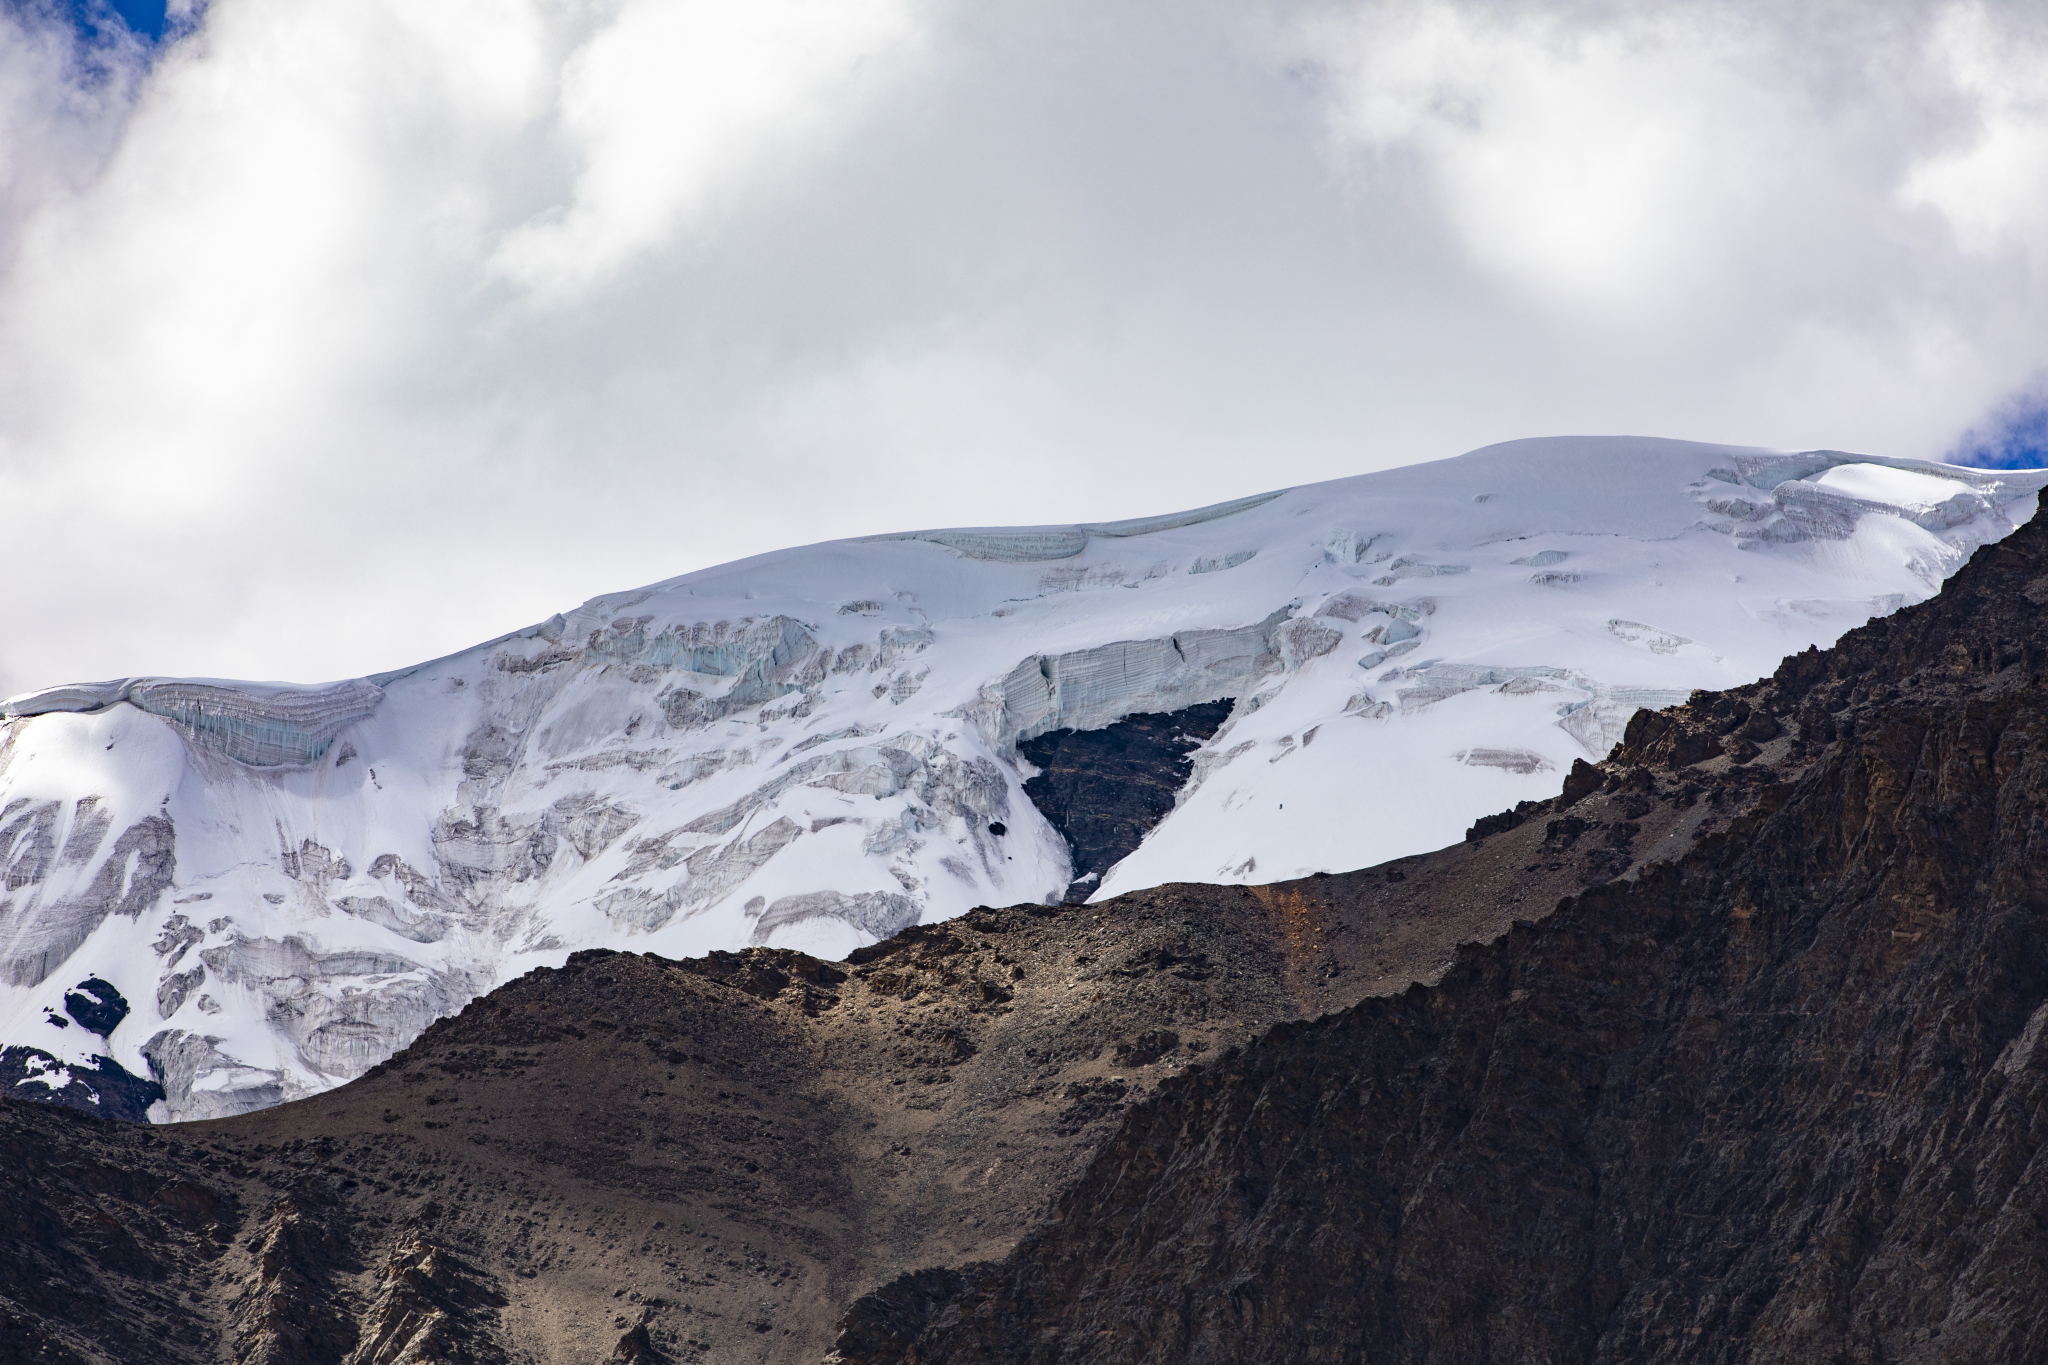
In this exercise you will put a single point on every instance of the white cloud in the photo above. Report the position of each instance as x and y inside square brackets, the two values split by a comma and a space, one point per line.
[60, 109]
[1993, 186]
[1733, 193]
[351, 334]
[672, 96]
[1582, 163]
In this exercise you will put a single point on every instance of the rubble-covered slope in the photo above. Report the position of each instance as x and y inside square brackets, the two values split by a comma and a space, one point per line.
[703, 1159]
[817, 747]
[1779, 1098]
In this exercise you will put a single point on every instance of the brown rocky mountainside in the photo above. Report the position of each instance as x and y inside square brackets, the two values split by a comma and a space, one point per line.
[1783, 1097]
[1772, 1090]
[708, 1160]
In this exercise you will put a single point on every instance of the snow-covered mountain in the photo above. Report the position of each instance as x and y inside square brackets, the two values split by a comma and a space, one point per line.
[816, 747]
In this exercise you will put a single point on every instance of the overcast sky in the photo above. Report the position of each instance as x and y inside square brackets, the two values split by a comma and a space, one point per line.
[337, 336]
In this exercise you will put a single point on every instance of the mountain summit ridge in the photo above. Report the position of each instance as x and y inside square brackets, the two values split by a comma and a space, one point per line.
[1738, 1060]
[816, 747]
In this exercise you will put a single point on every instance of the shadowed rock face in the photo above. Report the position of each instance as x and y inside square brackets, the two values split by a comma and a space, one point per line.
[102, 1087]
[96, 1005]
[1104, 789]
[1778, 1099]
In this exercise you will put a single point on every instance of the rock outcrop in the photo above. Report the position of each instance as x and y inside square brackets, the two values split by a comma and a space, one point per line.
[1104, 789]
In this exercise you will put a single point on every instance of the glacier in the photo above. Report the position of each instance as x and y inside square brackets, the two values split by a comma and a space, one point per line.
[817, 747]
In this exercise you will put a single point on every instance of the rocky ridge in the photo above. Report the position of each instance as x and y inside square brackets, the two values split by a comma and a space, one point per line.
[1777, 1097]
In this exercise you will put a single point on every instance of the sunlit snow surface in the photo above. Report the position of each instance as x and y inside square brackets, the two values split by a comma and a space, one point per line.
[808, 748]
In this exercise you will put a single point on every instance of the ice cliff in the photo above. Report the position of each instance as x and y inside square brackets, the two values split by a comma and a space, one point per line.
[816, 747]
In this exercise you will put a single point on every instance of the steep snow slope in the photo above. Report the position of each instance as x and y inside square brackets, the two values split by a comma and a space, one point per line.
[810, 747]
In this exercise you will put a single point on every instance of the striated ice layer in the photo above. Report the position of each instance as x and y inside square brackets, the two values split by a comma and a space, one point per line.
[818, 747]
[264, 725]
[1089, 688]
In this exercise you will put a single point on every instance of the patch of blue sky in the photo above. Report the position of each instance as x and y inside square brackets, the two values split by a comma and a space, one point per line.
[2015, 436]
[99, 20]
[144, 17]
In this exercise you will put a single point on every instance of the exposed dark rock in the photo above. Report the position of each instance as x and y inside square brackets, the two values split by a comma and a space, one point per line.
[99, 1224]
[884, 1323]
[102, 1087]
[636, 1347]
[1583, 780]
[766, 973]
[1103, 790]
[1505, 820]
[1147, 1048]
[1779, 1099]
[287, 1308]
[96, 1005]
